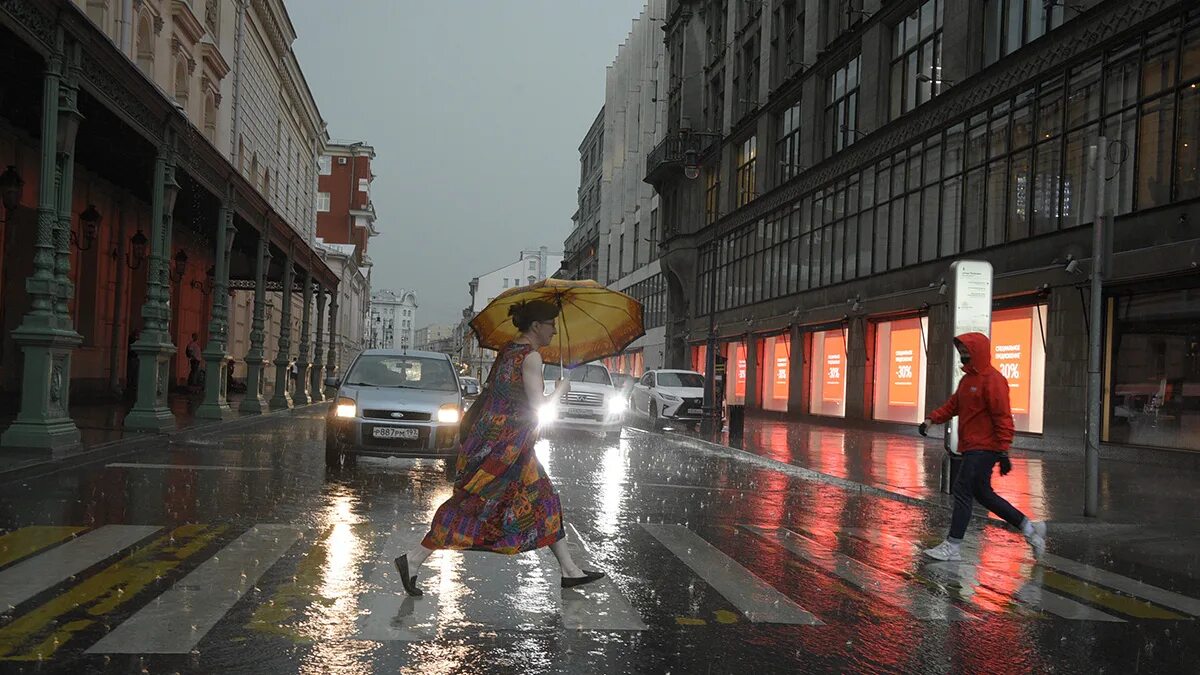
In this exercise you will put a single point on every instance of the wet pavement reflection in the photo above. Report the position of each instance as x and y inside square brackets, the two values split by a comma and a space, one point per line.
[237, 552]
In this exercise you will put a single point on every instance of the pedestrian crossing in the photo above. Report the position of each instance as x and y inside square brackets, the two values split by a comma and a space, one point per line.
[146, 589]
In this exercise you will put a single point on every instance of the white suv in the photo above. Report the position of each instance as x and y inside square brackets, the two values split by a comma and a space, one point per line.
[665, 396]
[592, 404]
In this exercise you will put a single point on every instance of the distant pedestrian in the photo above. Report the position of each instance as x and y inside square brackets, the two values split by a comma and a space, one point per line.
[985, 432]
[294, 374]
[193, 357]
[503, 500]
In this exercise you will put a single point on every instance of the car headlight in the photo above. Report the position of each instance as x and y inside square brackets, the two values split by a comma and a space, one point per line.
[616, 405]
[547, 414]
[449, 414]
[345, 407]
[669, 397]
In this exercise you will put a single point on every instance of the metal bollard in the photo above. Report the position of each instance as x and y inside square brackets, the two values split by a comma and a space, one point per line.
[951, 463]
[737, 421]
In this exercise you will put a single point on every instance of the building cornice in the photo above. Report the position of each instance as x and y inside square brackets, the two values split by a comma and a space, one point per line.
[186, 22]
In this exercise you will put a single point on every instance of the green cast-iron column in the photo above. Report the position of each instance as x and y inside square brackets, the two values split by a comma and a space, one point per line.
[69, 118]
[216, 352]
[256, 364]
[43, 421]
[303, 362]
[282, 397]
[154, 348]
[331, 358]
[317, 377]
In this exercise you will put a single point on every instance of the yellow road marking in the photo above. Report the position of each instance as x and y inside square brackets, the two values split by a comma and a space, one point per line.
[725, 616]
[100, 594]
[689, 621]
[21, 543]
[270, 617]
[1105, 598]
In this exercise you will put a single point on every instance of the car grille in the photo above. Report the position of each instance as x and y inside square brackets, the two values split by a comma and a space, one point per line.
[420, 441]
[580, 398]
[408, 415]
[693, 403]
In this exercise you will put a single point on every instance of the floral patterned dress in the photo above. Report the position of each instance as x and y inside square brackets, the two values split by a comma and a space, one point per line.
[503, 501]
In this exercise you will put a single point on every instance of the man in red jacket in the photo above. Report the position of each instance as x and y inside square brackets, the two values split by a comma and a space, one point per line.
[985, 432]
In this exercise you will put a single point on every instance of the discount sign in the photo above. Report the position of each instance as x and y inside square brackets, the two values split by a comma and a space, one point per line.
[833, 388]
[739, 381]
[1012, 335]
[903, 385]
[779, 384]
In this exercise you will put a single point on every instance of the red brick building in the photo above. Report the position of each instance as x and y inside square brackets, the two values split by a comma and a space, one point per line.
[344, 211]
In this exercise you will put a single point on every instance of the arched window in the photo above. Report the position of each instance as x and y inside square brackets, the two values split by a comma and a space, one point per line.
[210, 117]
[145, 44]
[182, 82]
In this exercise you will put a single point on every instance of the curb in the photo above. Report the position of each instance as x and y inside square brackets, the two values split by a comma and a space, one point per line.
[139, 441]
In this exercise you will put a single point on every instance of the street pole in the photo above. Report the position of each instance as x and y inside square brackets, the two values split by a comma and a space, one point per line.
[1091, 505]
[709, 422]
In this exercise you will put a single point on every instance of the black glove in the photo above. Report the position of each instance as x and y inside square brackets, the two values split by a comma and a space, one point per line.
[923, 429]
[1005, 464]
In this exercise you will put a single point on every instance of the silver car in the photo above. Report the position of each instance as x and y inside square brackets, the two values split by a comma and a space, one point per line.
[395, 403]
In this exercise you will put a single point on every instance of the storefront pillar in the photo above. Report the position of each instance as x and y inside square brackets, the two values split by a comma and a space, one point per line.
[303, 361]
[45, 337]
[316, 387]
[216, 354]
[282, 397]
[154, 348]
[256, 363]
[797, 375]
[857, 378]
[752, 384]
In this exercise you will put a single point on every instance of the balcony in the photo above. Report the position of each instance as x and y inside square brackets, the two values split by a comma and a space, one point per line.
[680, 149]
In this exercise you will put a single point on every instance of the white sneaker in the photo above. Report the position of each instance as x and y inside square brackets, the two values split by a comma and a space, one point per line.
[944, 551]
[1037, 537]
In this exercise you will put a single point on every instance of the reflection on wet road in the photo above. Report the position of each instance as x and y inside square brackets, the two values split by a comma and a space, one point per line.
[241, 555]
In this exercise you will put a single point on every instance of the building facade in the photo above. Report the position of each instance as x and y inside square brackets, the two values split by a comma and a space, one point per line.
[392, 320]
[581, 249]
[437, 337]
[826, 161]
[128, 218]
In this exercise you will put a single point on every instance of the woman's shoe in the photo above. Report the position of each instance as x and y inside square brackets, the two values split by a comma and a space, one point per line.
[410, 582]
[588, 577]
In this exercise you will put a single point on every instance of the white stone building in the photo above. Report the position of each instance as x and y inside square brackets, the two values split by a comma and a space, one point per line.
[392, 320]
[354, 294]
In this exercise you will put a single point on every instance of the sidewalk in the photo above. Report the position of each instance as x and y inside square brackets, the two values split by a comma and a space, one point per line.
[1044, 486]
[102, 431]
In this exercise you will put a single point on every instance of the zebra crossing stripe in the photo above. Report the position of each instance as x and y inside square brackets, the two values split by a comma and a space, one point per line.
[598, 606]
[177, 620]
[42, 572]
[891, 589]
[972, 574]
[754, 598]
[29, 540]
[38, 634]
[1124, 584]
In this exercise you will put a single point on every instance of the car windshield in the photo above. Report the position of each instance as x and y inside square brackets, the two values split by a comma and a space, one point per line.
[690, 380]
[409, 372]
[590, 374]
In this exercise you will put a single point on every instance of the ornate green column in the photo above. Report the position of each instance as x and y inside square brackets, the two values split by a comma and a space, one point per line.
[216, 354]
[69, 118]
[303, 363]
[154, 348]
[43, 421]
[317, 377]
[331, 358]
[282, 398]
[256, 365]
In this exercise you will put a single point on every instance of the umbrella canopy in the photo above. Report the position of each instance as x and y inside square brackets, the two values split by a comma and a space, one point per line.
[593, 321]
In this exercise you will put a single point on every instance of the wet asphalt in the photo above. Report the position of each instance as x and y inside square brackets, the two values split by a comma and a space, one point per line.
[237, 552]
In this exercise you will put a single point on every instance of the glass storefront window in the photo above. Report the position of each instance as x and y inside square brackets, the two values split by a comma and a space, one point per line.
[699, 358]
[828, 368]
[1019, 353]
[1154, 375]
[735, 382]
[776, 378]
[900, 370]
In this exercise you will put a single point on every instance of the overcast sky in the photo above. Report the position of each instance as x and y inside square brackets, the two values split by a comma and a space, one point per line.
[476, 109]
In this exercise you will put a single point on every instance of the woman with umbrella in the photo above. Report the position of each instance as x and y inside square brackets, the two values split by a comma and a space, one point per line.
[503, 501]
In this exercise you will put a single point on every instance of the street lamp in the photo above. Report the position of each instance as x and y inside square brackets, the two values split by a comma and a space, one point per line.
[181, 261]
[137, 252]
[711, 414]
[89, 223]
[11, 185]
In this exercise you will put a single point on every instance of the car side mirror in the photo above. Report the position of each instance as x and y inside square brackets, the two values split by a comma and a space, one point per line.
[333, 382]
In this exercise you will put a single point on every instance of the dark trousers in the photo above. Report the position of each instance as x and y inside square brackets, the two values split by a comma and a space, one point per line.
[974, 483]
[193, 371]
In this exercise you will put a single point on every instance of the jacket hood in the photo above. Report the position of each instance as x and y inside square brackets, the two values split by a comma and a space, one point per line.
[980, 348]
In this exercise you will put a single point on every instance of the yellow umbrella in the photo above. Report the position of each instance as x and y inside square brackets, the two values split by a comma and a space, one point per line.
[593, 321]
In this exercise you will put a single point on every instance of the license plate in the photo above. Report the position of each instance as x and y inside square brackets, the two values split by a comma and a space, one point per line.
[396, 432]
[695, 411]
[578, 412]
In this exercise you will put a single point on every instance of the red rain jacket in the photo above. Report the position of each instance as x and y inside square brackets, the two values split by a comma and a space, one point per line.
[985, 419]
